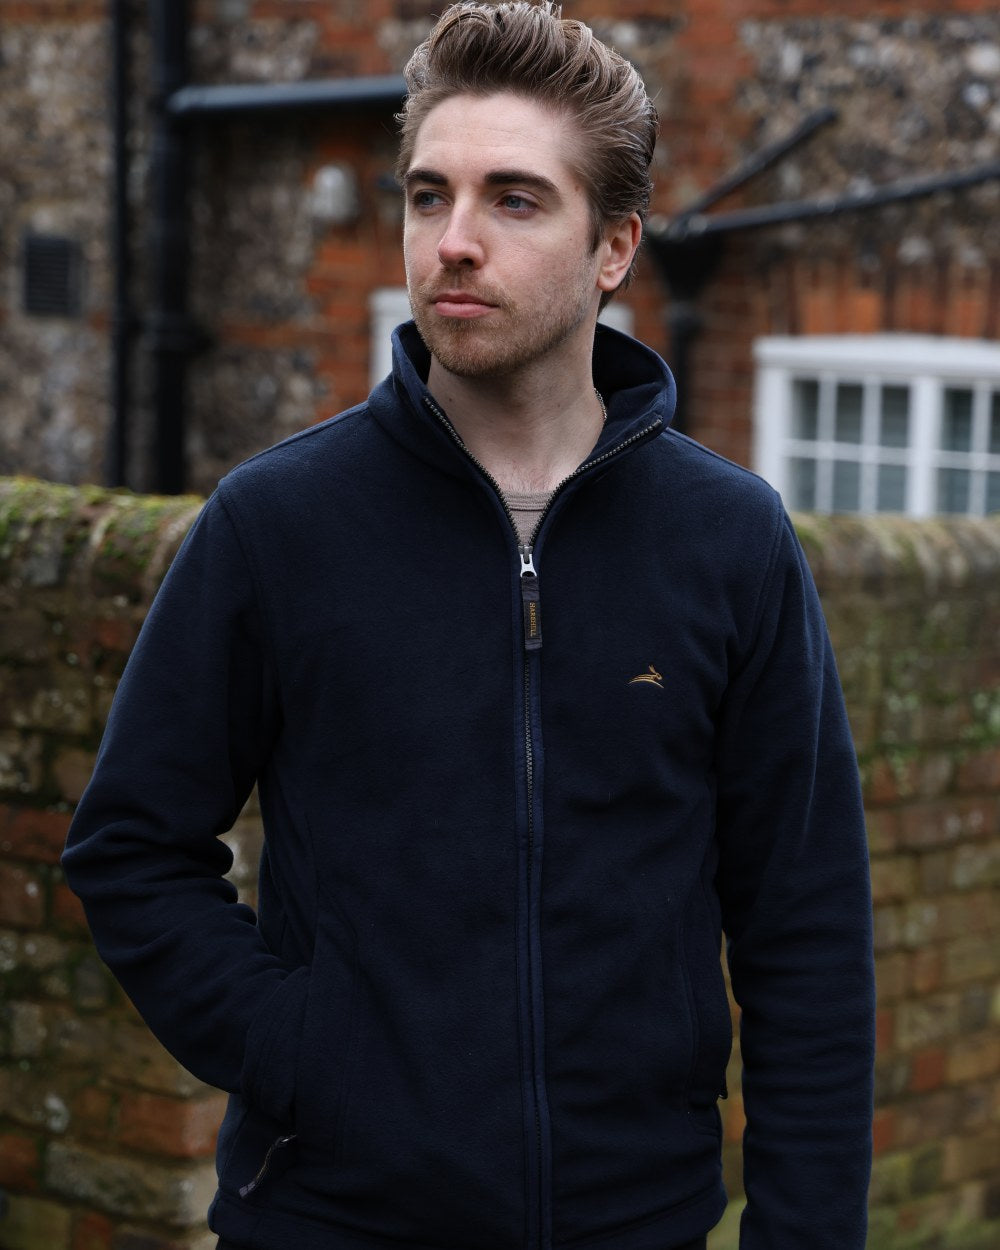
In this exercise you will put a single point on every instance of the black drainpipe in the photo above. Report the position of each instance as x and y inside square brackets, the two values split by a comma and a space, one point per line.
[685, 266]
[122, 316]
[170, 335]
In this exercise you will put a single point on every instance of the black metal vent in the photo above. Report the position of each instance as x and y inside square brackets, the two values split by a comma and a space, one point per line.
[52, 275]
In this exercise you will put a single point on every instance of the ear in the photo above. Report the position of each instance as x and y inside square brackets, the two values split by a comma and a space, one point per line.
[620, 243]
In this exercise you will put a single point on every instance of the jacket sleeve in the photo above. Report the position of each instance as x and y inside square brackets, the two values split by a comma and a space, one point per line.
[191, 725]
[794, 884]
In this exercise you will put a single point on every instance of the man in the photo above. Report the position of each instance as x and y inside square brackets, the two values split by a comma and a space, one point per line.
[539, 699]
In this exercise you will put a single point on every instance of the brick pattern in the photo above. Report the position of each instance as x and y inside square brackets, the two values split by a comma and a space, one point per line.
[106, 1143]
[914, 612]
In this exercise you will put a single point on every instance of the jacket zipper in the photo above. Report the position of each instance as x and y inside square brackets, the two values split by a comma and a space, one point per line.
[532, 623]
[247, 1189]
[528, 574]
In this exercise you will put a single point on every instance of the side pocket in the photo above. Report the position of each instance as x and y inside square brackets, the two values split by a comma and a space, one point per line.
[252, 1151]
[324, 1067]
[273, 1046]
[275, 1152]
[229, 1132]
[708, 1003]
[707, 1120]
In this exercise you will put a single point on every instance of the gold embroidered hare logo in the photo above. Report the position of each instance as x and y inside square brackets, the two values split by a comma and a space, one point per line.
[653, 678]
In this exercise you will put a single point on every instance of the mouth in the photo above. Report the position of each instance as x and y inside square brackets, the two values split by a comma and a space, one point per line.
[463, 304]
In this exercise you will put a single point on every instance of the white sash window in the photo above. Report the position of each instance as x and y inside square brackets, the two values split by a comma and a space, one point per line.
[879, 423]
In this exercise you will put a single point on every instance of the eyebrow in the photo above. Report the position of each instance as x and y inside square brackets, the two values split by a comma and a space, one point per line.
[494, 178]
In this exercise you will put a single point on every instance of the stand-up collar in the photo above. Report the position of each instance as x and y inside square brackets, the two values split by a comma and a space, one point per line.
[636, 385]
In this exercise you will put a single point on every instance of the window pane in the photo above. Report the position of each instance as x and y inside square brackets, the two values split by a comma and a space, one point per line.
[847, 421]
[995, 423]
[956, 420]
[953, 490]
[802, 479]
[891, 488]
[846, 486]
[894, 423]
[993, 492]
[805, 408]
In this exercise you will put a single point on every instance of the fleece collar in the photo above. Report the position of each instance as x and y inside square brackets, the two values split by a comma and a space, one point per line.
[637, 387]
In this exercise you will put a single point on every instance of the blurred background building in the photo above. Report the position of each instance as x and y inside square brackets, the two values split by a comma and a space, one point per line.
[200, 234]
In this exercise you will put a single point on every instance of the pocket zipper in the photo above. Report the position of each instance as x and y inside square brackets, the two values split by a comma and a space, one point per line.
[247, 1189]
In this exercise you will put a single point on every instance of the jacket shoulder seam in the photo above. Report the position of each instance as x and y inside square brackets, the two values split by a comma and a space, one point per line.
[312, 431]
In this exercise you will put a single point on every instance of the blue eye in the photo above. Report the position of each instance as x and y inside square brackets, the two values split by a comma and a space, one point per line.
[425, 199]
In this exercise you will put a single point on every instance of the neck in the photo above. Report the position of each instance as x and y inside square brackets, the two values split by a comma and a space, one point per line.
[528, 433]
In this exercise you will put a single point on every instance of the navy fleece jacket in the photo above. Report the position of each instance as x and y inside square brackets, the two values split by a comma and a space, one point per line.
[511, 802]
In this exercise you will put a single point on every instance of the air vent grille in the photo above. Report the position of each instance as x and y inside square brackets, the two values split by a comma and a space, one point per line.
[52, 272]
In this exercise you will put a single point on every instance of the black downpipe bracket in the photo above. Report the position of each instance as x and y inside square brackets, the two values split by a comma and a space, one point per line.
[323, 94]
[695, 226]
[122, 316]
[687, 247]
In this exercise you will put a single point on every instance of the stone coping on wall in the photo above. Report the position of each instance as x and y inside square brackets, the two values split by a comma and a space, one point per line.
[95, 541]
[104, 542]
[869, 552]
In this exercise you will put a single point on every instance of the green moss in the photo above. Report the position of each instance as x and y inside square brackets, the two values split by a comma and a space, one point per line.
[898, 759]
[813, 530]
[130, 540]
[881, 1228]
[984, 729]
[44, 527]
[25, 501]
[979, 1235]
[39, 531]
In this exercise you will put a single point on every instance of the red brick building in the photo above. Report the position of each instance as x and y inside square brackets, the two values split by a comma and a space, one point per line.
[292, 225]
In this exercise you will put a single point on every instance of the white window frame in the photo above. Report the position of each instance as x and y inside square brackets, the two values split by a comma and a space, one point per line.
[389, 306]
[927, 364]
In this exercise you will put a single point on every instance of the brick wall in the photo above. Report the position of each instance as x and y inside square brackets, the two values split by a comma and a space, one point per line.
[105, 1143]
[914, 613]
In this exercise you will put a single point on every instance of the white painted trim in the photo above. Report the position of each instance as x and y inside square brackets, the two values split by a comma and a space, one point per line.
[887, 354]
[389, 307]
[926, 364]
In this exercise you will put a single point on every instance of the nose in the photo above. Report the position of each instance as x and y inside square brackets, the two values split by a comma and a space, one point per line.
[461, 244]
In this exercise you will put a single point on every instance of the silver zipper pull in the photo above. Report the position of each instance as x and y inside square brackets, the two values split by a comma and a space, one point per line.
[531, 606]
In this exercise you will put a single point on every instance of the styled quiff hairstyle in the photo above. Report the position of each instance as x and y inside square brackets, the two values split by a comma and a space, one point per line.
[532, 51]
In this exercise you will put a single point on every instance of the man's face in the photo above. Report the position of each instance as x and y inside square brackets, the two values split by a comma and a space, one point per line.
[497, 240]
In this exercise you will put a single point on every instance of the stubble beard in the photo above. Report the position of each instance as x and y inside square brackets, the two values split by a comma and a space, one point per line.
[515, 340]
